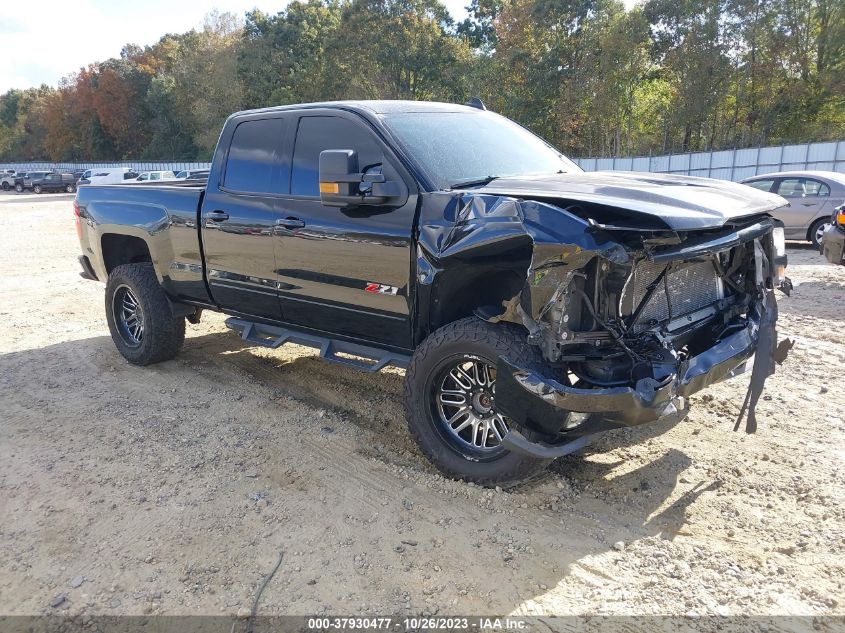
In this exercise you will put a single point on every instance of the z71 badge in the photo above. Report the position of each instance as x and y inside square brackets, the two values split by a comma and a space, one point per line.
[381, 289]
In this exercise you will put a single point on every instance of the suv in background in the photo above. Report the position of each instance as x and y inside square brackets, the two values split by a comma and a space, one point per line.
[24, 181]
[54, 181]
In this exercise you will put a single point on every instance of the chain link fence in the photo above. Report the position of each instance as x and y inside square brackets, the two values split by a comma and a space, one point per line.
[732, 164]
[135, 165]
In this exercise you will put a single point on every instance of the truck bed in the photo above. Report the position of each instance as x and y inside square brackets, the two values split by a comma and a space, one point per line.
[164, 218]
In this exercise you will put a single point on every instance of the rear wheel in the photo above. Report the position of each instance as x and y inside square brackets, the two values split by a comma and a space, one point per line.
[70, 188]
[6, 186]
[450, 408]
[139, 315]
[817, 231]
[19, 188]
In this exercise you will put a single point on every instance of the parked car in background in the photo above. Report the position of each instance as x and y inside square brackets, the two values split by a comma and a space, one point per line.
[107, 176]
[193, 174]
[833, 240]
[7, 179]
[812, 197]
[146, 176]
[23, 182]
[55, 181]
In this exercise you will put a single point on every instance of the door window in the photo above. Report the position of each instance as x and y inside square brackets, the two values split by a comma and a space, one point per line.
[318, 133]
[816, 188]
[253, 156]
[802, 188]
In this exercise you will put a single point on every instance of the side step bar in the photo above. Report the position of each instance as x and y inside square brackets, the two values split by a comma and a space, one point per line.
[369, 359]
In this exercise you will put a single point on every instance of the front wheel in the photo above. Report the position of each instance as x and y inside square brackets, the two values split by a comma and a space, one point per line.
[450, 404]
[37, 188]
[139, 315]
[19, 188]
[817, 231]
[6, 186]
[70, 188]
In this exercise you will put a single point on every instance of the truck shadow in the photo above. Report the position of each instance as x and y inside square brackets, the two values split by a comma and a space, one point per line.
[537, 536]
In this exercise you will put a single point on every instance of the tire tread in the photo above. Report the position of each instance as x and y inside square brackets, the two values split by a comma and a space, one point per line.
[508, 340]
[164, 334]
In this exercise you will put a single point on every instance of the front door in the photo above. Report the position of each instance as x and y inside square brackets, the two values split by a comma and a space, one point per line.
[344, 271]
[239, 217]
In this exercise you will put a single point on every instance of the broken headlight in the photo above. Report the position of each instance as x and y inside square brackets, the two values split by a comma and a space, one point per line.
[779, 252]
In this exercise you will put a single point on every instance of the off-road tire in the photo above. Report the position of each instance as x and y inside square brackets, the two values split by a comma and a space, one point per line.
[163, 334]
[476, 338]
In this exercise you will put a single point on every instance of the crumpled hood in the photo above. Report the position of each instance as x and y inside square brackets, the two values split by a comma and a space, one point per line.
[678, 202]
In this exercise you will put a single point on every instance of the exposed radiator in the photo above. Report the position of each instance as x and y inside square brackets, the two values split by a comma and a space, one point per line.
[691, 285]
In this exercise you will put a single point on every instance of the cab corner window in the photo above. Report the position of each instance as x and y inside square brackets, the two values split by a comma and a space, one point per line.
[318, 133]
[253, 157]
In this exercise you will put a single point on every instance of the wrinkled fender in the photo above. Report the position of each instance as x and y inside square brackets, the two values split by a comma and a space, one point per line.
[527, 248]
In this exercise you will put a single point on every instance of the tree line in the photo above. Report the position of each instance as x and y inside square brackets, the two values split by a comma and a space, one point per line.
[588, 75]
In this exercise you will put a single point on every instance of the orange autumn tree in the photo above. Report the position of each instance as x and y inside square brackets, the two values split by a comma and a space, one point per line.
[119, 88]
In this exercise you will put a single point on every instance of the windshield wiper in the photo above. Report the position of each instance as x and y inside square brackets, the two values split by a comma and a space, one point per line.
[475, 182]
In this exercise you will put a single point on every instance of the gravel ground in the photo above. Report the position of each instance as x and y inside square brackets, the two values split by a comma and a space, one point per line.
[172, 489]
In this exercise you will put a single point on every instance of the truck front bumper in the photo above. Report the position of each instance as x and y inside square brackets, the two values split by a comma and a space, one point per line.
[833, 244]
[543, 404]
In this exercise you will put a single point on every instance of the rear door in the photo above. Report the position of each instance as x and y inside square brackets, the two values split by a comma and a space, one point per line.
[807, 200]
[239, 216]
[344, 271]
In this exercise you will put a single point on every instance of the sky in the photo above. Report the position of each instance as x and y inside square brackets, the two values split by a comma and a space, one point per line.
[60, 37]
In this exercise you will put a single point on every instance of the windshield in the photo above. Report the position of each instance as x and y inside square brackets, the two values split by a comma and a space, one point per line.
[462, 147]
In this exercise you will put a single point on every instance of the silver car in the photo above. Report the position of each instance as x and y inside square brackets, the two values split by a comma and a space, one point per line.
[812, 197]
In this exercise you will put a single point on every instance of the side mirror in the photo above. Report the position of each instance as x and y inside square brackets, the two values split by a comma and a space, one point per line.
[341, 180]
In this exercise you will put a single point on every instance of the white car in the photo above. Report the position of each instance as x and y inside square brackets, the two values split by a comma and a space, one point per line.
[107, 176]
[146, 176]
[7, 179]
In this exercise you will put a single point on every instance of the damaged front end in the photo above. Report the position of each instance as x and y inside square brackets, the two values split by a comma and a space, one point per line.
[631, 317]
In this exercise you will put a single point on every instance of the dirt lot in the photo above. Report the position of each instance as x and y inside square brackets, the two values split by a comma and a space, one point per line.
[172, 489]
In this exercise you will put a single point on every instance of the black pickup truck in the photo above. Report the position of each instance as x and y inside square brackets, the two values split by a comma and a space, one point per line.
[533, 305]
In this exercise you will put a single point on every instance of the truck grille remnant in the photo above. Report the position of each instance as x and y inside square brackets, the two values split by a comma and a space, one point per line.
[684, 289]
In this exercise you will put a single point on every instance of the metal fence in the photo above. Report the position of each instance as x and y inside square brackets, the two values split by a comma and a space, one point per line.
[732, 164]
[135, 165]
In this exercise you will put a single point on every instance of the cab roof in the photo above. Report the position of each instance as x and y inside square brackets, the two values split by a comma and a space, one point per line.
[385, 106]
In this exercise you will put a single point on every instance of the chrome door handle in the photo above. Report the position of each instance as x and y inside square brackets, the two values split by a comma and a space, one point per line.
[216, 216]
[290, 223]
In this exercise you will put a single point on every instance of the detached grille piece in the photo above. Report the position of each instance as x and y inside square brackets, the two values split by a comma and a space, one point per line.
[691, 285]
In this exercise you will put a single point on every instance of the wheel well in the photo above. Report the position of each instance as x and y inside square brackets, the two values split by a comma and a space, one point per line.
[123, 249]
[454, 300]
